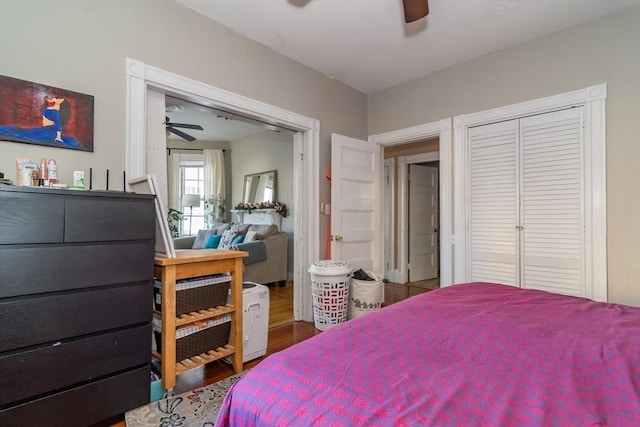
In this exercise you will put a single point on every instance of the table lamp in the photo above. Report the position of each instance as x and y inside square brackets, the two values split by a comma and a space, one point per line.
[190, 201]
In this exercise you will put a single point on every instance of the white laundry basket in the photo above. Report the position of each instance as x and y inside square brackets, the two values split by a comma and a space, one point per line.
[330, 289]
[365, 295]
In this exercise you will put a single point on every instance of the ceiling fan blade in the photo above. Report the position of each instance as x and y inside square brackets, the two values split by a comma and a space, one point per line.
[184, 125]
[181, 134]
[415, 9]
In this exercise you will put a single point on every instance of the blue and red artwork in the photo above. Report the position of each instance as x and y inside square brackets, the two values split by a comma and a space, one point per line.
[44, 115]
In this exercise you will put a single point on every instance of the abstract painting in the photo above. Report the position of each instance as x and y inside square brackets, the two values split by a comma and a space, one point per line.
[33, 113]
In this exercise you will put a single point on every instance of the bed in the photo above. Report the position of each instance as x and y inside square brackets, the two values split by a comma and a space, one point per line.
[475, 354]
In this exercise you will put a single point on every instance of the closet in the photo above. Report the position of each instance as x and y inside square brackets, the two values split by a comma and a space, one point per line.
[526, 195]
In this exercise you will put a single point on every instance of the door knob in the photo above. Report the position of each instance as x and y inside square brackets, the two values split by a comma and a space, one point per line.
[337, 238]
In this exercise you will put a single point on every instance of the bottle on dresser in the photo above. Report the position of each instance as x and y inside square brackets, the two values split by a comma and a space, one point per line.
[42, 175]
[52, 172]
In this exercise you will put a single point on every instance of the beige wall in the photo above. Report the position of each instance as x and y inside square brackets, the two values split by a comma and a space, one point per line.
[264, 152]
[82, 46]
[602, 51]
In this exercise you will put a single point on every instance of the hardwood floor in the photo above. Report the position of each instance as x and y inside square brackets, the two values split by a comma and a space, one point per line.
[280, 304]
[394, 292]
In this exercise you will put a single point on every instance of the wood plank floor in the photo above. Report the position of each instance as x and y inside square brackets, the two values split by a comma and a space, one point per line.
[280, 305]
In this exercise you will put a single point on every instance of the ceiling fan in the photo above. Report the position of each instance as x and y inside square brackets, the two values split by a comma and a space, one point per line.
[415, 9]
[171, 127]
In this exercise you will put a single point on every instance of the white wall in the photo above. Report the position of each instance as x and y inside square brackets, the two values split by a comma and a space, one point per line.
[260, 153]
[603, 51]
[82, 46]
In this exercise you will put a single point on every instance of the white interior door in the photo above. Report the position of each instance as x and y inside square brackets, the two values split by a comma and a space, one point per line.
[423, 222]
[552, 191]
[493, 200]
[356, 203]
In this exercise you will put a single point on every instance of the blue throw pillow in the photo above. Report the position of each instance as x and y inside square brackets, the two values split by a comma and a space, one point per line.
[238, 240]
[212, 242]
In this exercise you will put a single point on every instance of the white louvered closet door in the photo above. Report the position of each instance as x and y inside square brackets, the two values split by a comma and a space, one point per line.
[526, 194]
[493, 190]
[552, 195]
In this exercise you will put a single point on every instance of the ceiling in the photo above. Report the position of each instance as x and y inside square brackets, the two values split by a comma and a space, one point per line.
[218, 125]
[366, 44]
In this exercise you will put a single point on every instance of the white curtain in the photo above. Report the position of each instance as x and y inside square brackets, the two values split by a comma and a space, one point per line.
[214, 175]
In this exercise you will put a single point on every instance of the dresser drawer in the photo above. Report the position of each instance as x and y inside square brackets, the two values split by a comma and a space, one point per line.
[84, 405]
[33, 321]
[89, 220]
[57, 268]
[50, 368]
[25, 219]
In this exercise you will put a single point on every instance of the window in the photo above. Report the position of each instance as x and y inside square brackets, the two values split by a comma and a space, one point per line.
[192, 182]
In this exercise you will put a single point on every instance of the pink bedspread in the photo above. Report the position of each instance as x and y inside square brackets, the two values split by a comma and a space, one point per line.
[473, 354]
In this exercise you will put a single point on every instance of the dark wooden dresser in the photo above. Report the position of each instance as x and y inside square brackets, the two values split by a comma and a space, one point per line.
[76, 292]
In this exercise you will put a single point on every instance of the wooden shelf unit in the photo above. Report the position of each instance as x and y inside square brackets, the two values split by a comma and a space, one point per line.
[189, 264]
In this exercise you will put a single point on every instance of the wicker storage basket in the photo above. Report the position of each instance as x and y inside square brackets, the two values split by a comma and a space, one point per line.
[197, 294]
[192, 340]
[330, 292]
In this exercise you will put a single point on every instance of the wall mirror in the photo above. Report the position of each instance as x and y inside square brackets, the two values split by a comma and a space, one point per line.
[259, 187]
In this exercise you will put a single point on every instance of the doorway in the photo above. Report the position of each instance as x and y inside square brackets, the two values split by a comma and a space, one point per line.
[142, 77]
[412, 214]
[422, 212]
[439, 136]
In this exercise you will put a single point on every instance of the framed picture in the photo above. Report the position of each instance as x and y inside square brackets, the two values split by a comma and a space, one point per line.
[32, 113]
[164, 244]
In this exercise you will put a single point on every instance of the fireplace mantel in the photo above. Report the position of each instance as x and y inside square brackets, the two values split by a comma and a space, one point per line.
[257, 216]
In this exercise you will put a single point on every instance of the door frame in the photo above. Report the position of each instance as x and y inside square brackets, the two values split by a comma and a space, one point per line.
[389, 219]
[140, 77]
[403, 208]
[442, 130]
[592, 98]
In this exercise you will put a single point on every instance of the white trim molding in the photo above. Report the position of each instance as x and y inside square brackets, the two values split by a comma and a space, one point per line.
[140, 77]
[592, 99]
[390, 269]
[442, 130]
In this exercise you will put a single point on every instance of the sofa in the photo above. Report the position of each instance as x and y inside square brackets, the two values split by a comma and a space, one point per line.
[266, 245]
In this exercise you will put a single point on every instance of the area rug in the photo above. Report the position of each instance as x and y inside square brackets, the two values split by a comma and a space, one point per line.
[195, 408]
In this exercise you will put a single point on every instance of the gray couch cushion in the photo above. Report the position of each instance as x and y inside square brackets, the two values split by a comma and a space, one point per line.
[240, 229]
[220, 229]
[257, 251]
[215, 225]
[201, 238]
[264, 231]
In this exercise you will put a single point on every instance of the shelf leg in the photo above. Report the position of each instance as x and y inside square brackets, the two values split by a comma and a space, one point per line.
[169, 327]
[236, 319]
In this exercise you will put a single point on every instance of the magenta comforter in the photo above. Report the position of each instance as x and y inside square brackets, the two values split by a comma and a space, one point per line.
[475, 354]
